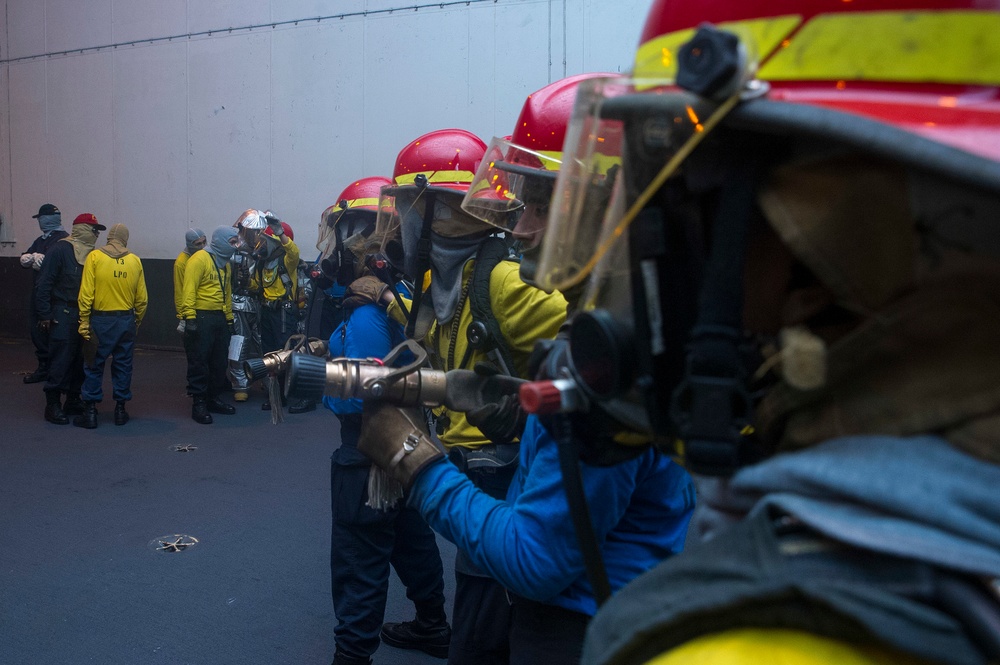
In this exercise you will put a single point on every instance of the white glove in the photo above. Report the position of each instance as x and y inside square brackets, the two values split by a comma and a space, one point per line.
[181, 325]
[26, 260]
[37, 260]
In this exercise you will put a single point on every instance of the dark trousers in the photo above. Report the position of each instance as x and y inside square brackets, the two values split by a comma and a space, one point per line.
[277, 324]
[208, 354]
[480, 627]
[331, 316]
[546, 634]
[39, 337]
[115, 336]
[65, 352]
[363, 545]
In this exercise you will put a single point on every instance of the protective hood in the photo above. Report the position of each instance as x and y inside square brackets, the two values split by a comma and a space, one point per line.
[192, 236]
[448, 258]
[49, 223]
[221, 248]
[83, 240]
[117, 242]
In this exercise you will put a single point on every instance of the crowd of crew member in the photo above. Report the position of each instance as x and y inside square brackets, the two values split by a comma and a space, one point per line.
[813, 312]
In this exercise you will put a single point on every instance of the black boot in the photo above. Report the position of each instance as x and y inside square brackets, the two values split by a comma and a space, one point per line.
[341, 658]
[432, 636]
[302, 406]
[74, 405]
[40, 374]
[199, 410]
[121, 415]
[53, 410]
[88, 420]
[218, 406]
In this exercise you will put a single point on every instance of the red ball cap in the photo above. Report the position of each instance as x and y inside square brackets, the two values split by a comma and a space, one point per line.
[89, 219]
[540, 397]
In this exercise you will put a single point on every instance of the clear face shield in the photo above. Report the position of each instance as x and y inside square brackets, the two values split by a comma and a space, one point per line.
[405, 210]
[512, 191]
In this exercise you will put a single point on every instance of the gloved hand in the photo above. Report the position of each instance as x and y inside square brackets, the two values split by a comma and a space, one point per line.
[232, 328]
[27, 260]
[181, 325]
[364, 291]
[275, 225]
[396, 440]
[84, 330]
[45, 325]
[36, 261]
[501, 420]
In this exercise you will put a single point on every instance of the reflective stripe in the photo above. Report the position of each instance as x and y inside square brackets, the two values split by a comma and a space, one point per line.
[553, 159]
[939, 47]
[436, 176]
[357, 203]
[657, 58]
[959, 46]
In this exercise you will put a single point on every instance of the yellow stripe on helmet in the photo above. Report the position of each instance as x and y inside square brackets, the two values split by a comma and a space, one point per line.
[436, 177]
[960, 46]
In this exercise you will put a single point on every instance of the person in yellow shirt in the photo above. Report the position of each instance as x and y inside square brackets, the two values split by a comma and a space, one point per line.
[112, 303]
[207, 311]
[194, 239]
[276, 276]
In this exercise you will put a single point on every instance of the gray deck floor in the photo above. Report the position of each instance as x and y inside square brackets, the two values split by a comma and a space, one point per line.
[79, 509]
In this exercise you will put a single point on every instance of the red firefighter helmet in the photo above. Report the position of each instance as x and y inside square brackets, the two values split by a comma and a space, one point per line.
[448, 158]
[541, 127]
[361, 194]
[514, 184]
[930, 67]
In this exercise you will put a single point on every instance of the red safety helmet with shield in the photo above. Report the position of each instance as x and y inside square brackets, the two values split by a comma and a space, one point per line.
[346, 228]
[513, 187]
[430, 178]
[855, 131]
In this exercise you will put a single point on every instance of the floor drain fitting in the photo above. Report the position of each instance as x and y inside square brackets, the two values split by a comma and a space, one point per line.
[187, 448]
[177, 542]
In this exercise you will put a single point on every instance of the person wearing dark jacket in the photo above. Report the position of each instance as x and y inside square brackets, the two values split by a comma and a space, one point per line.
[50, 223]
[59, 314]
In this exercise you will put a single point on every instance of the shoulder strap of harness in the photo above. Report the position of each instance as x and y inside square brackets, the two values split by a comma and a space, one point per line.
[484, 332]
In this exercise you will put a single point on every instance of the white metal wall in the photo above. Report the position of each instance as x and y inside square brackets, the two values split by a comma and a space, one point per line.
[197, 129]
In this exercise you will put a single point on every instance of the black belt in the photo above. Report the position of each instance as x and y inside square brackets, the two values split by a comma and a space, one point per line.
[111, 312]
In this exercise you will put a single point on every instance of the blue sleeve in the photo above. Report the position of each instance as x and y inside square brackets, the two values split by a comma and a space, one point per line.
[528, 544]
[369, 334]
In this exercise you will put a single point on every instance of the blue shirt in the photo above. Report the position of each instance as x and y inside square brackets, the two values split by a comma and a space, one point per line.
[640, 510]
[366, 332]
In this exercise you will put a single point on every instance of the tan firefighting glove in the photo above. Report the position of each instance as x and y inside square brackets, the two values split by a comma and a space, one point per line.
[396, 439]
[365, 290]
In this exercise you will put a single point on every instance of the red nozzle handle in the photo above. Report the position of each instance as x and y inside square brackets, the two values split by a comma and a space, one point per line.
[540, 397]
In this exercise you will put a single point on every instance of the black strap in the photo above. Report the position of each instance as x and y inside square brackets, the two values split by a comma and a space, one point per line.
[491, 252]
[711, 406]
[423, 253]
[569, 465]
